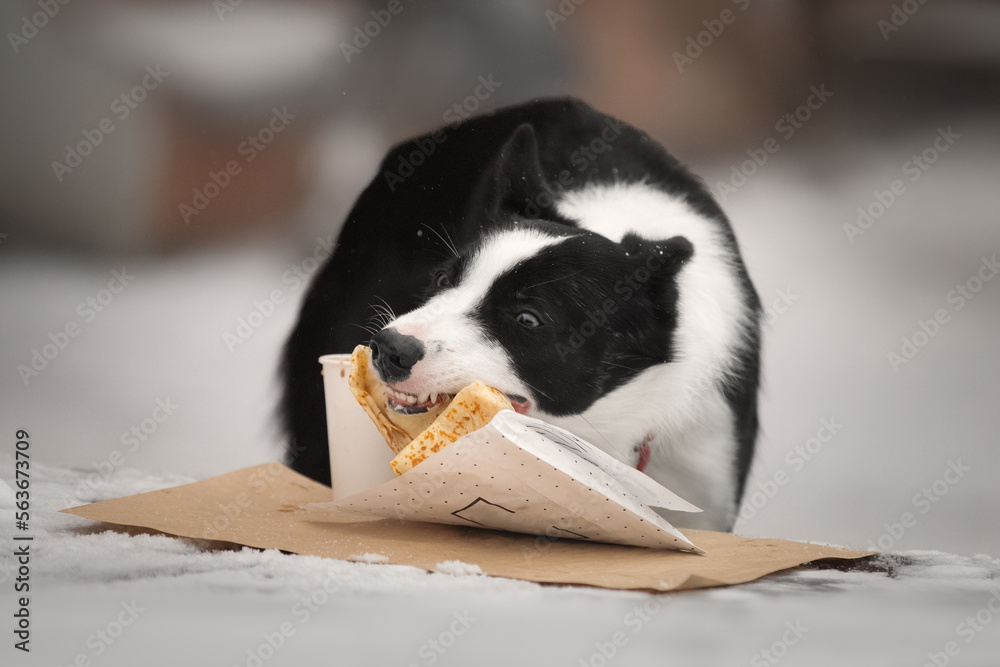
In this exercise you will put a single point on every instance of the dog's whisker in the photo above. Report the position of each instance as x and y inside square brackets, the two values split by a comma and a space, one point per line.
[386, 306]
[553, 280]
[447, 242]
[366, 328]
[628, 368]
[538, 391]
[596, 431]
[383, 313]
[451, 243]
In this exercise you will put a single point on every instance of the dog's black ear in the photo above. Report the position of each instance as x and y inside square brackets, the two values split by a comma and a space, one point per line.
[518, 184]
[663, 258]
[655, 266]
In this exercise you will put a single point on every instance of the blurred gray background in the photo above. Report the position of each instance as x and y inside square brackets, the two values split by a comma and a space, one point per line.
[172, 172]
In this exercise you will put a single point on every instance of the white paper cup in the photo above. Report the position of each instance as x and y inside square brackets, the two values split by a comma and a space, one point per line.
[359, 457]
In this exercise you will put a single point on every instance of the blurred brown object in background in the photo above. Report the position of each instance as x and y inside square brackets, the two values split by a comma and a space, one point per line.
[681, 71]
[145, 126]
[705, 79]
[223, 180]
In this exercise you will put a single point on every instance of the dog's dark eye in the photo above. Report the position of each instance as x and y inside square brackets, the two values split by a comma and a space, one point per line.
[527, 319]
[441, 279]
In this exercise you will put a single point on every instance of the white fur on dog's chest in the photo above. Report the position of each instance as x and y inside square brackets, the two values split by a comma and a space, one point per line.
[692, 448]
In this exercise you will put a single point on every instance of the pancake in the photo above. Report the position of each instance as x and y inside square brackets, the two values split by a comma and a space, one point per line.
[414, 437]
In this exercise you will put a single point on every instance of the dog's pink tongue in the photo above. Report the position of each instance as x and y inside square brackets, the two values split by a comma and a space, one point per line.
[520, 407]
[643, 456]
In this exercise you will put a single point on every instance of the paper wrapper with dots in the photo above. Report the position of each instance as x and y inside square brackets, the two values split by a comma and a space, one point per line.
[521, 474]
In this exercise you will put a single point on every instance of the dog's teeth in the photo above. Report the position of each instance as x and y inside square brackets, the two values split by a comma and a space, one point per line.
[422, 397]
[434, 397]
[401, 397]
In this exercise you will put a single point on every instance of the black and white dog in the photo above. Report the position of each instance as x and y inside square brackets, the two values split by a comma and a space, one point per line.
[565, 258]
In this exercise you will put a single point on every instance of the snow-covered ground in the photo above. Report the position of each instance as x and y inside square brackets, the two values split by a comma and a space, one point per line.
[119, 599]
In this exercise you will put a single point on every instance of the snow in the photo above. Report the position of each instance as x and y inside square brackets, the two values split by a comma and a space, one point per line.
[457, 568]
[216, 602]
[369, 558]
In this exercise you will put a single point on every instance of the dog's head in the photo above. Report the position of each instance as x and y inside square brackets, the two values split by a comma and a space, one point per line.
[553, 315]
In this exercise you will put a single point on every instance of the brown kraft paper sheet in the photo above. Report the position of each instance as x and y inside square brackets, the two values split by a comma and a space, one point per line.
[263, 507]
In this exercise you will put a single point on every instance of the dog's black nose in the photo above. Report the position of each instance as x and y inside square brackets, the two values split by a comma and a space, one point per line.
[394, 354]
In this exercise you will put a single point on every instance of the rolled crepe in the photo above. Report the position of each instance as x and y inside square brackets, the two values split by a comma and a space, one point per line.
[415, 437]
[397, 428]
[470, 410]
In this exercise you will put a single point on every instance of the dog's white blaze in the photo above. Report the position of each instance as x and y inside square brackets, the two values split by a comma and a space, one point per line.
[679, 404]
[457, 350]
